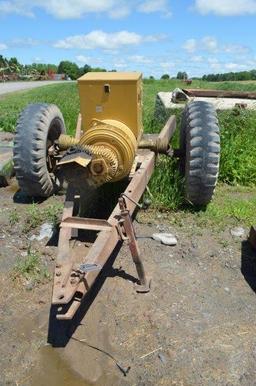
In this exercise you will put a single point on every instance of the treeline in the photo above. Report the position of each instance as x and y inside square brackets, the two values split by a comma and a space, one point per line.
[69, 69]
[242, 75]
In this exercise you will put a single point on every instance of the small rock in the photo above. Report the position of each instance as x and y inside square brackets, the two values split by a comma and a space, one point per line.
[162, 358]
[237, 232]
[160, 228]
[165, 238]
[46, 230]
[24, 254]
[29, 285]
[226, 289]
[194, 244]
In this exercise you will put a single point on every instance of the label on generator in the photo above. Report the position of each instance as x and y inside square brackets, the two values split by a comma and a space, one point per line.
[99, 109]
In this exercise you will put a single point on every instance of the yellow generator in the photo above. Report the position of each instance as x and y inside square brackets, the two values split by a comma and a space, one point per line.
[111, 127]
[108, 146]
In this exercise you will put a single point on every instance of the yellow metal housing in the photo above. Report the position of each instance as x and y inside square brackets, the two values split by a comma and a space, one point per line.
[116, 137]
[112, 95]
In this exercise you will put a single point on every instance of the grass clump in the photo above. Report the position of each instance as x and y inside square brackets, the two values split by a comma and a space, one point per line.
[14, 217]
[31, 268]
[35, 215]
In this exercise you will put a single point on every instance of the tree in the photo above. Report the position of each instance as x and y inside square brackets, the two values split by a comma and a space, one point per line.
[182, 75]
[165, 76]
[68, 68]
[151, 77]
[86, 69]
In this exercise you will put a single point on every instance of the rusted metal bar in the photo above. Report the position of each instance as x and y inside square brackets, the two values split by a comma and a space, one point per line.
[69, 284]
[85, 223]
[219, 93]
[144, 284]
[159, 142]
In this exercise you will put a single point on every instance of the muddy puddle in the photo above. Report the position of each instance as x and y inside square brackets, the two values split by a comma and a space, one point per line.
[77, 363]
[74, 365]
[53, 369]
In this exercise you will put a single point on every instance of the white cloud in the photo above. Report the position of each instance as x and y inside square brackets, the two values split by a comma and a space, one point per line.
[210, 44]
[120, 12]
[214, 63]
[190, 45]
[120, 64]
[167, 65]
[150, 6]
[197, 59]
[21, 7]
[226, 7]
[81, 59]
[23, 42]
[235, 66]
[67, 9]
[207, 43]
[3, 46]
[64, 9]
[104, 40]
[140, 59]
[75, 9]
[37, 59]
[235, 49]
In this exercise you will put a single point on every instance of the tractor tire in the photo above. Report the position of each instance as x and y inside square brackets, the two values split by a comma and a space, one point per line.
[200, 149]
[39, 125]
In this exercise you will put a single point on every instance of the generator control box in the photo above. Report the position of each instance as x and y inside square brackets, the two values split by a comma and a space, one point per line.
[112, 95]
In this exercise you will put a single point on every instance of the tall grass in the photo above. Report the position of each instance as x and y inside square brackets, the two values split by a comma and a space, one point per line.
[65, 96]
[238, 147]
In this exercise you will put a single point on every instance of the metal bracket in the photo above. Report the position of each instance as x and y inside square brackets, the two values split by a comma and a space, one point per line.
[89, 267]
[144, 283]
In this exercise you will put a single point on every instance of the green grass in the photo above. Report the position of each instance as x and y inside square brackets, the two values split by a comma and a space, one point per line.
[231, 206]
[31, 268]
[36, 215]
[65, 96]
[14, 216]
[238, 155]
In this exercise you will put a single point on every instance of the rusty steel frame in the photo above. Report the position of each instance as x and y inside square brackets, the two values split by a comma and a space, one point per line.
[71, 280]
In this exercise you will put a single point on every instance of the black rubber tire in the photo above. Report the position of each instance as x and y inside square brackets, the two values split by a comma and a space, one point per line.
[200, 146]
[37, 127]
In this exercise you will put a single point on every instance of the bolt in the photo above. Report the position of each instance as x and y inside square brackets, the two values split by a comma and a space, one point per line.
[97, 167]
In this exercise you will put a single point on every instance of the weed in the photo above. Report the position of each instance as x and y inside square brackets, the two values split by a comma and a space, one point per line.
[52, 213]
[33, 217]
[36, 215]
[31, 267]
[14, 217]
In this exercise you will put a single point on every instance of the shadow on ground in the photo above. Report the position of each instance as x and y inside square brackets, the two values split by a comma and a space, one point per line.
[248, 264]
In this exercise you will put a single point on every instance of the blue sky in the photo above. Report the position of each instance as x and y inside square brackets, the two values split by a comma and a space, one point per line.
[152, 36]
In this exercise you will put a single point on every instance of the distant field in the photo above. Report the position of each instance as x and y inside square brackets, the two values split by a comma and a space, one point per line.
[238, 157]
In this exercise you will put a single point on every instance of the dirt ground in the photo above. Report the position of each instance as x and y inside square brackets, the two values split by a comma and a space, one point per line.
[195, 327]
